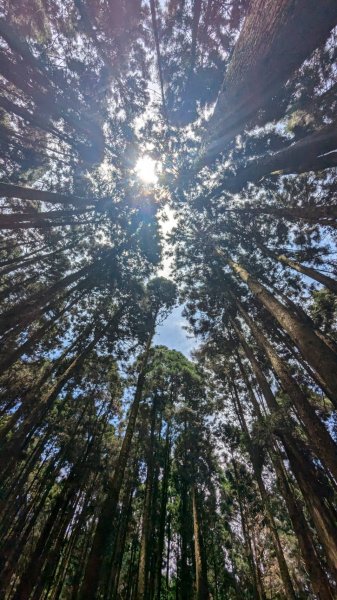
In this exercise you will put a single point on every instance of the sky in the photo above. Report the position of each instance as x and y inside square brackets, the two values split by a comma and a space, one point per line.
[171, 332]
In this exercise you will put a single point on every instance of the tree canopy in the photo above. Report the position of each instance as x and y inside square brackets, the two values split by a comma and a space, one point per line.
[129, 471]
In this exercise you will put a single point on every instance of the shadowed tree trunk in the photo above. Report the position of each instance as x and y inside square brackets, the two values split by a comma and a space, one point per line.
[316, 152]
[162, 517]
[8, 190]
[143, 568]
[202, 592]
[288, 586]
[313, 349]
[318, 579]
[306, 474]
[328, 282]
[320, 438]
[259, 67]
[108, 513]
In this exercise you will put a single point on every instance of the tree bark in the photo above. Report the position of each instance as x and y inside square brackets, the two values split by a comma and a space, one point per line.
[320, 438]
[325, 280]
[162, 518]
[317, 576]
[108, 513]
[288, 586]
[202, 591]
[8, 190]
[259, 67]
[143, 567]
[315, 152]
[313, 349]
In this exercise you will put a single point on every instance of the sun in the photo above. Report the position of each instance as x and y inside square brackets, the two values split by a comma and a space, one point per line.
[146, 169]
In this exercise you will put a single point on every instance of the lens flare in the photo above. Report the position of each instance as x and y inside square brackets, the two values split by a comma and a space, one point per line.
[146, 169]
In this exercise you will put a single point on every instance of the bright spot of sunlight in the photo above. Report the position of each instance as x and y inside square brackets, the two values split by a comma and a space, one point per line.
[146, 169]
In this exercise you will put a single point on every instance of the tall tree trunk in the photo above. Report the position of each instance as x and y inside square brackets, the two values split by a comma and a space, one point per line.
[202, 592]
[28, 400]
[320, 438]
[31, 574]
[313, 349]
[143, 569]
[108, 513]
[162, 517]
[322, 215]
[328, 282]
[23, 435]
[324, 519]
[126, 513]
[317, 576]
[288, 586]
[8, 190]
[256, 584]
[11, 357]
[315, 152]
[305, 472]
[259, 67]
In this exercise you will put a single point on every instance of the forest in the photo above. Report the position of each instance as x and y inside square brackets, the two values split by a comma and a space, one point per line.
[160, 156]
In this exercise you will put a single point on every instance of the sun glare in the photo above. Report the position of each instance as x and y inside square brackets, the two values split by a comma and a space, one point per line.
[146, 169]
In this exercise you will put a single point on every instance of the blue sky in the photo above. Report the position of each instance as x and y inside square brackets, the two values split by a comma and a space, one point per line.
[172, 334]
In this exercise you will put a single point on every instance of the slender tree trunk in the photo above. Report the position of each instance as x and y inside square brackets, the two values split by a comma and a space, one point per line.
[10, 358]
[322, 359]
[202, 592]
[23, 435]
[288, 586]
[162, 518]
[9, 190]
[325, 280]
[322, 215]
[305, 473]
[315, 152]
[126, 513]
[29, 399]
[323, 518]
[142, 587]
[258, 592]
[317, 576]
[320, 438]
[29, 578]
[107, 516]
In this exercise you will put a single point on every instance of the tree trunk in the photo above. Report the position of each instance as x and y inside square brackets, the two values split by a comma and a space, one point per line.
[317, 576]
[10, 358]
[8, 190]
[143, 568]
[288, 586]
[202, 592]
[257, 590]
[31, 575]
[305, 473]
[162, 518]
[322, 215]
[324, 521]
[21, 438]
[319, 437]
[316, 152]
[325, 280]
[108, 513]
[313, 349]
[259, 67]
